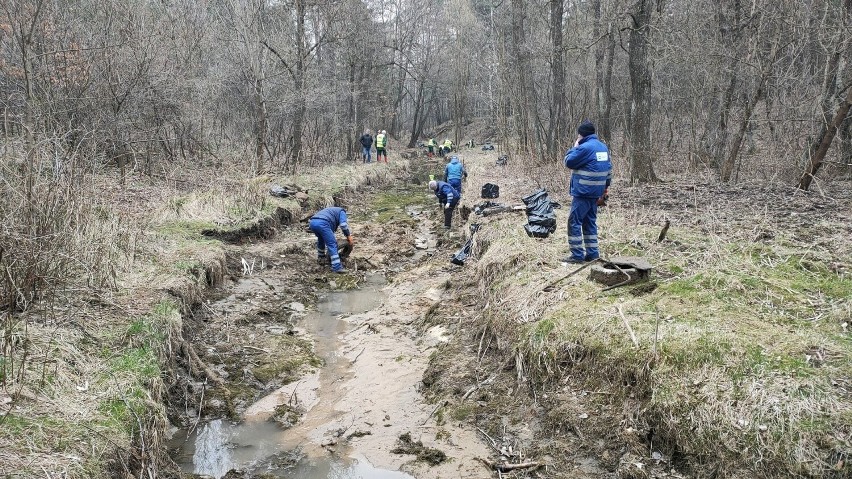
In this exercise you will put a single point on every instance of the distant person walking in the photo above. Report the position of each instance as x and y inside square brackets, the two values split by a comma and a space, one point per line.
[448, 198]
[430, 146]
[454, 172]
[366, 143]
[323, 224]
[381, 144]
[589, 158]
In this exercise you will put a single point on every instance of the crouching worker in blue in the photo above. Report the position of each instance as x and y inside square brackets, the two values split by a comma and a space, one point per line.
[589, 158]
[454, 172]
[324, 223]
[448, 198]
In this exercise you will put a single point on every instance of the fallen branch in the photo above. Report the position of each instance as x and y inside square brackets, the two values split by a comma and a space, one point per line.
[627, 325]
[491, 442]
[358, 355]
[477, 386]
[439, 406]
[256, 349]
[506, 467]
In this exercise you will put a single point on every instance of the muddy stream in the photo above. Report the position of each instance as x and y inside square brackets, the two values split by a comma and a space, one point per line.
[220, 445]
[351, 410]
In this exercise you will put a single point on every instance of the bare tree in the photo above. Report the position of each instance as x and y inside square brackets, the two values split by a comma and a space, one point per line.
[641, 151]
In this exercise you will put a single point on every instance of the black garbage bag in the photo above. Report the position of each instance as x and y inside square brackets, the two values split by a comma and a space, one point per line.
[464, 252]
[541, 220]
[281, 191]
[490, 190]
[478, 209]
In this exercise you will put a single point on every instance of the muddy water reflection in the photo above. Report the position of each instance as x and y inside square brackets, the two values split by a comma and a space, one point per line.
[257, 445]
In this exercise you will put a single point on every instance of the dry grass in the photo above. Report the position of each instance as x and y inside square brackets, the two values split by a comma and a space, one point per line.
[744, 351]
[82, 394]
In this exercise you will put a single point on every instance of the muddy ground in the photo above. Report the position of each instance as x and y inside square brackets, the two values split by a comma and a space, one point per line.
[410, 370]
[351, 386]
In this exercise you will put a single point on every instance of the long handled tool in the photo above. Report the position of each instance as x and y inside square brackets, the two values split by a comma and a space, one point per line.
[552, 285]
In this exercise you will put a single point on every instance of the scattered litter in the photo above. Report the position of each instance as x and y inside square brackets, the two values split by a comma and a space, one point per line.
[460, 257]
[502, 209]
[487, 147]
[541, 220]
[490, 190]
[281, 191]
[502, 160]
[297, 307]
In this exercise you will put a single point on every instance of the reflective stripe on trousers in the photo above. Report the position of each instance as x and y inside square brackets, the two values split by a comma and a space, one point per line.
[583, 229]
[326, 239]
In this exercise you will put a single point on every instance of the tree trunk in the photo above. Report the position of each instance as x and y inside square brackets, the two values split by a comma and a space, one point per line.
[824, 142]
[299, 84]
[520, 89]
[731, 161]
[262, 124]
[641, 160]
[556, 131]
[603, 75]
[351, 115]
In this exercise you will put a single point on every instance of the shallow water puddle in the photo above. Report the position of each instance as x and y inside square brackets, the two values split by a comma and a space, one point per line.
[256, 444]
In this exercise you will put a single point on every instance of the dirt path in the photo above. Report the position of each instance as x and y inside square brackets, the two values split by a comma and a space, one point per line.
[365, 336]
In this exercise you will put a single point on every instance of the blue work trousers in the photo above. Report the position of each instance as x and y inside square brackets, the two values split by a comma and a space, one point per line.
[455, 183]
[365, 151]
[583, 229]
[326, 239]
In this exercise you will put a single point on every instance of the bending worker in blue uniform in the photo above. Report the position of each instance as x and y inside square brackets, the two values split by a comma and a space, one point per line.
[324, 223]
[448, 198]
[589, 158]
[454, 172]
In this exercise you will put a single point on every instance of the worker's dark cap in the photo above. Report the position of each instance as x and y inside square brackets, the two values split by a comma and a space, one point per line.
[586, 128]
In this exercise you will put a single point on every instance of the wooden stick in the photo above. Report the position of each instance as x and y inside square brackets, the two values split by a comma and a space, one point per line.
[505, 467]
[440, 405]
[656, 335]
[357, 356]
[664, 231]
[627, 325]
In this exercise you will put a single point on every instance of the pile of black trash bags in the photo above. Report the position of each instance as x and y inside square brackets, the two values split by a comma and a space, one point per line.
[541, 220]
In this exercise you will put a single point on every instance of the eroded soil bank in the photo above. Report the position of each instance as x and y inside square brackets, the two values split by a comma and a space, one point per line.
[319, 375]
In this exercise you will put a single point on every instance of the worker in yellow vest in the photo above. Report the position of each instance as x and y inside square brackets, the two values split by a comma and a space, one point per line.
[446, 147]
[430, 146]
[381, 144]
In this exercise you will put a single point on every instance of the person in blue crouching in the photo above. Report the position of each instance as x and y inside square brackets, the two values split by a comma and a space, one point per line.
[589, 158]
[454, 172]
[448, 198]
[324, 223]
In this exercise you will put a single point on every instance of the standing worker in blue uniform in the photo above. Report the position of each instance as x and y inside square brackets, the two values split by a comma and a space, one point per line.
[324, 223]
[454, 172]
[448, 198]
[589, 158]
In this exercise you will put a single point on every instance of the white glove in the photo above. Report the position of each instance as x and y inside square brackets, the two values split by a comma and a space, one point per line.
[447, 206]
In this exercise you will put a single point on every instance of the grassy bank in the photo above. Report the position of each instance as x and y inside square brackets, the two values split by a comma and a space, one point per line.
[741, 357]
[84, 372]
